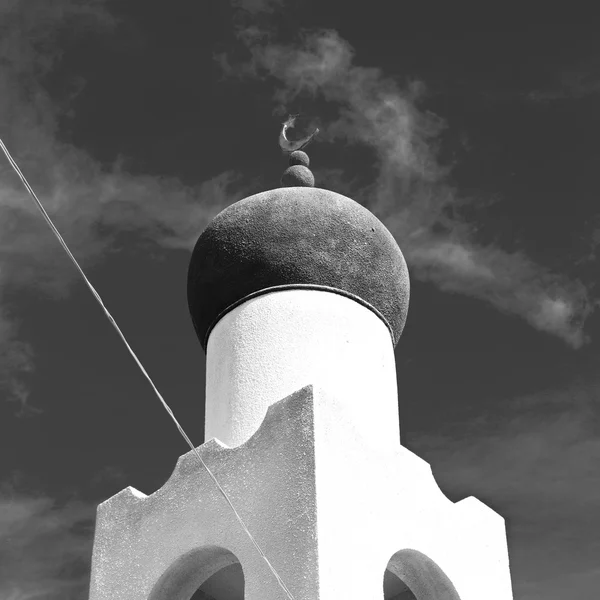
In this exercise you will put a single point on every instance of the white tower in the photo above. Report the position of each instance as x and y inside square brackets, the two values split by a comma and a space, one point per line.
[299, 295]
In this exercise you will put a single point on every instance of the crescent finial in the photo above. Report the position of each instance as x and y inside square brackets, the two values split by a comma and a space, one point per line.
[291, 146]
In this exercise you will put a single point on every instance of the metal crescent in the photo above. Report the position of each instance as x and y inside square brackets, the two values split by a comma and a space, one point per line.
[291, 146]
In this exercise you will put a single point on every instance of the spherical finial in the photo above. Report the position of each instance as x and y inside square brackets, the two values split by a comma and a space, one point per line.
[298, 176]
[299, 158]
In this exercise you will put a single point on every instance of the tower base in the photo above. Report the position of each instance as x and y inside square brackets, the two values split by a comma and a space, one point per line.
[328, 509]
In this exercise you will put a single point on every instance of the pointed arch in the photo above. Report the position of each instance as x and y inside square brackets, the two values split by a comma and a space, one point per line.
[183, 578]
[423, 576]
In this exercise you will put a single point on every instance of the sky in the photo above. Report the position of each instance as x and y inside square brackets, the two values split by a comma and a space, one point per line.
[471, 135]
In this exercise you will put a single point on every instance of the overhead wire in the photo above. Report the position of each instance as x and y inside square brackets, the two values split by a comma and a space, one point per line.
[96, 295]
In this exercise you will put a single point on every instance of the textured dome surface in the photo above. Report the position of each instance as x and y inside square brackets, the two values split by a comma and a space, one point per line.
[296, 236]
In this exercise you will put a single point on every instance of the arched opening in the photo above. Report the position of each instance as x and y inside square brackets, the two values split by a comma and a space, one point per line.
[411, 575]
[226, 584]
[208, 573]
[395, 589]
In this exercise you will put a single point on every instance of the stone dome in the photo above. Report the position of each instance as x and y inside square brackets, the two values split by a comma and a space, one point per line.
[296, 237]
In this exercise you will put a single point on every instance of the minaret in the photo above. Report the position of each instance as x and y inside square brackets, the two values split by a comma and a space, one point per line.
[298, 296]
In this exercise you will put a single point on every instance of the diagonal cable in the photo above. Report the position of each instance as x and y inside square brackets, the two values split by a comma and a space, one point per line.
[139, 364]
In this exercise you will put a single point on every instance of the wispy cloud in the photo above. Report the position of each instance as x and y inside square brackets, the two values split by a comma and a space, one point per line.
[410, 191]
[45, 547]
[16, 361]
[88, 202]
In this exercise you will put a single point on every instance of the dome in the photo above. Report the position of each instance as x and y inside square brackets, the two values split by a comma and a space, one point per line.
[296, 237]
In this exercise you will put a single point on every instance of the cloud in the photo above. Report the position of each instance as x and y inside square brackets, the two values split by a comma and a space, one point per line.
[16, 361]
[89, 203]
[511, 282]
[410, 191]
[45, 547]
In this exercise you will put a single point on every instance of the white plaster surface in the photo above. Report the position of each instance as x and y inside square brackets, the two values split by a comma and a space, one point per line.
[277, 343]
[328, 509]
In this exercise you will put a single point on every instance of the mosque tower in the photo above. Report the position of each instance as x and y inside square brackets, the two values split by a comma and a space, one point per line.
[298, 296]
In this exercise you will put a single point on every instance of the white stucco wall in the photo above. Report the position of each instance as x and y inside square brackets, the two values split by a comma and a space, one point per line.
[328, 510]
[277, 343]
